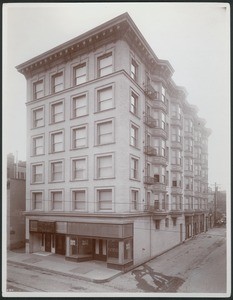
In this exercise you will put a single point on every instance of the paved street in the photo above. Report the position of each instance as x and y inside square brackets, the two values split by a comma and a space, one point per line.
[199, 265]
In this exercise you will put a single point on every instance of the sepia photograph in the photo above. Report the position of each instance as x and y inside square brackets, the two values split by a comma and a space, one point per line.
[116, 150]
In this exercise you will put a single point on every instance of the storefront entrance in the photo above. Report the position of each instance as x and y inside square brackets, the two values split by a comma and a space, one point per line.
[47, 242]
[60, 245]
[100, 249]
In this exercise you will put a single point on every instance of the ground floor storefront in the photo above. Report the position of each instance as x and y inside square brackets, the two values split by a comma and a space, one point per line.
[195, 224]
[79, 241]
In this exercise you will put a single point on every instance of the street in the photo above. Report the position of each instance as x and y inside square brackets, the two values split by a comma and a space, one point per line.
[197, 266]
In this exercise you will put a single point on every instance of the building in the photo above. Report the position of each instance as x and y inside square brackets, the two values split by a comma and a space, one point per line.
[217, 206]
[16, 196]
[117, 158]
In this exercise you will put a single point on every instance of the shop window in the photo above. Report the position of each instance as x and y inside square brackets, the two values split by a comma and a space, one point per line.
[128, 250]
[113, 251]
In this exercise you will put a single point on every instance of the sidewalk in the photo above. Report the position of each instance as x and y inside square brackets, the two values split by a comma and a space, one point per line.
[93, 271]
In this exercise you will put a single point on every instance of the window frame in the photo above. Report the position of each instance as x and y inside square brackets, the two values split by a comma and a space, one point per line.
[137, 135]
[33, 165]
[97, 97]
[103, 155]
[73, 107]
[137, 170]
[73, 161]
[73, 200]
[33, 206]
[75, 68]
[34, 120]
[51, 199]
[51, 135]
[97, 135]
[52, 114]
[73, 136]
[51, 171]
[33, 145]
[100, 58]
[53, 79]
[97, 191]
[134, 204]
[34, 85]
[135, 65]
[135, 105]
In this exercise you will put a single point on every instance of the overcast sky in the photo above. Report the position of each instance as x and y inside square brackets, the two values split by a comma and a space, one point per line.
[193, 37]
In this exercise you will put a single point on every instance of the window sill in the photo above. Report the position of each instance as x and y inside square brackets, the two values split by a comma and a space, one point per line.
[110, 143]
[105, 178]
[74, 118]
[135, 147]
[41, 182]
[77, 180]
[54, 123]
[135, 115]
[73, 149]
[101, 111]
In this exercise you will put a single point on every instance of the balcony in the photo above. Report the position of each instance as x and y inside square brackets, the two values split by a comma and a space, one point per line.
[151, 92]
[160, 160]
[177, 122]
[158, 187]
[176, 190]
[176, 144]
[178, 168]
[150, 151]
[188, 134]
[149, 180]
[189, 212]
[175, 213]
[188, 173]
[150, 122]
[158, 104]
[159, 132]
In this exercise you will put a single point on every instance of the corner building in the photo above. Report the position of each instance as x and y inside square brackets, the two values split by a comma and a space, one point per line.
[117, 162]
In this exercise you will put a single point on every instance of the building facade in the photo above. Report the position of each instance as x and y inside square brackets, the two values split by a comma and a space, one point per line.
[117, 158]
[16, 196]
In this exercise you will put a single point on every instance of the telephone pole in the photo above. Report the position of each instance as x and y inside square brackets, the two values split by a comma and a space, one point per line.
[215, 204]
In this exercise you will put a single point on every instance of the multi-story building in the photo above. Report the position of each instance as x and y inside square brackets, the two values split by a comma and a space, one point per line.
[117, 158]
[16, 195]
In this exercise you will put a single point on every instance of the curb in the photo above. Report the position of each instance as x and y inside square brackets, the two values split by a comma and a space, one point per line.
[63, 273]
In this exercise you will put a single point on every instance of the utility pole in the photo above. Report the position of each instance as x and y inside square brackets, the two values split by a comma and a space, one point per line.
[215, 204]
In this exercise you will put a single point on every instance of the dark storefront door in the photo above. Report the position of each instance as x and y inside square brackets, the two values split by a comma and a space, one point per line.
[102, 250]
[60, 244]
[47, 242]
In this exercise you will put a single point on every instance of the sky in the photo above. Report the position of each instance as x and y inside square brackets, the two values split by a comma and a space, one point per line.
[193, 37]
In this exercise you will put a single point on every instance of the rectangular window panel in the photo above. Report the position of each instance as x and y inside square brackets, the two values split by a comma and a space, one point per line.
[80, 74]
[134, 136]
[105, 199]
[37, 173]
[105, 133]
[57, 142]
[38, 117]
[105, 66]
[56, 171]
[134, 104]
[134, 198]
[38, 89]
[37, 200]
[57, 112]
[79, 106]
[134, 168]
[56, 200]
[134, 69]
[57, 82]
[38, 145]
[105, 99]
[79, 199]
[104, 167]
[79, 137]
[79, 169]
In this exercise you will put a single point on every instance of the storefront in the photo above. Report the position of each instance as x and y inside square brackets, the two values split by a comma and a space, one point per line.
[79, 241]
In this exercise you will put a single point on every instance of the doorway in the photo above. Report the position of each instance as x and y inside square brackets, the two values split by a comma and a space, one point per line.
[47, 242]
[60, 244]
[100, 249]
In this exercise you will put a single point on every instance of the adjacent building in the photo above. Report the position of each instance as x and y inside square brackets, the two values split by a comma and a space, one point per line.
[117, 158]
[16, 202]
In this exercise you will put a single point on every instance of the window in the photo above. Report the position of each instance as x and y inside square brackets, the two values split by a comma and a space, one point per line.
[157, 224]
[188, 183]
[57, 171]
[57, 112]
[79, 169]
[156, 202]
[176, 202]
[163, 151]
[104, 167]
[105, 64]
[104, 199]
[176, 179]
[80, 74]
[37, 173]
[134, 199]
[188, 145]
[38, 89]
[163, 201]
[79, 106]
[79, 199]
[174, 221]
[56, 199]
[105, 133]
[188, 164]
[134, 168]
[188, 125]
[134, 136]
[57, 82]
[79, 136]
[105, 99]
[159, 145]
[57, 142]
[163, 124]
[163, 175]
[166, 222]
[176, 134]
[38, 117]
[176, 111]
[134, 69]
[176, 157]
[38, 145]
[37, 200]
[163, 94]
[134, 103]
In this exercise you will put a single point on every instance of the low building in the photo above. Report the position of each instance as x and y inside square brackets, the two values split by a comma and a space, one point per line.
[117, 157]
[16, 202]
